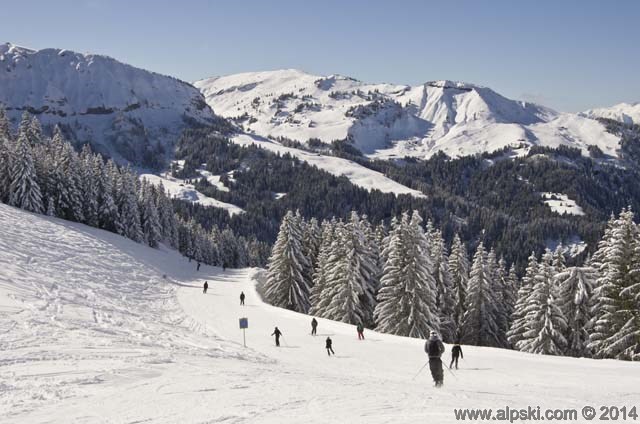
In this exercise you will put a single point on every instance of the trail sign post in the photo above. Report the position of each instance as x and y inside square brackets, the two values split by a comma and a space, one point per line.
[244, 324]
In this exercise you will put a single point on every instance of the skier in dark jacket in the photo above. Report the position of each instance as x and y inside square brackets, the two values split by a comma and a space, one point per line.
[434, 348]
[198, 267]
[205, 287]
[456, 351]
[328, 346]
[360, 330]
[314, 326]
[241, 298]
[277, 333]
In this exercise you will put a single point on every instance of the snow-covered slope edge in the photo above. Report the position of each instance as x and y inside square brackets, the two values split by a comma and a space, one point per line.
[356, 173]
[125, 110]
[91, 331]
[389, 120]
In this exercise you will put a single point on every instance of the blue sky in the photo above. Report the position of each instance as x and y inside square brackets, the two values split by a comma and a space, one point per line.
[567, 54]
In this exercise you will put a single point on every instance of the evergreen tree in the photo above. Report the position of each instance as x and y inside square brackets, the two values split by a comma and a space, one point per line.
[407, 297]
[576, 290]
[518, 319]
[320, 292]
[286, 286]
[546, 324]
[129, 212]
[352, 298]
[24, 191]
[459, 270]
[616, 333]
[445, 297]
[150, 220]
[480, 323]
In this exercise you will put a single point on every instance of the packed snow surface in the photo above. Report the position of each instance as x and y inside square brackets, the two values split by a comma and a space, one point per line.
[561, 204]
[356, 173]
[393, 121]
[95, 328]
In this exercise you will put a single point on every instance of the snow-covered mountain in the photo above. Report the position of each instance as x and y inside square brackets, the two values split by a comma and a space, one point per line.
[387, 120]
[125, 109]
[622, 112]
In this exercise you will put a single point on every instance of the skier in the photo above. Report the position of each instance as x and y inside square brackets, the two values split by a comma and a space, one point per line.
[434, 348]
[329, 348]
[198, 267]
[314, 326]
[206, 286]
[242, 299]
[360, 330]
[456, 352]
[277, 333]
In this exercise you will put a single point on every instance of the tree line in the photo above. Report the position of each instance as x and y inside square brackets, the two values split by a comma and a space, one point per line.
[404, 280]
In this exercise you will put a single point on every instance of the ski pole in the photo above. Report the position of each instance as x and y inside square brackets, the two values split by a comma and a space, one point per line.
[425, 364]
[451, 372]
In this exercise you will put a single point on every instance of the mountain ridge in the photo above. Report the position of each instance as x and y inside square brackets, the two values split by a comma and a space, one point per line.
[389, 121]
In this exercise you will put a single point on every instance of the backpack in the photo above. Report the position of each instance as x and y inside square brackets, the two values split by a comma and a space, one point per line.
[433, 348]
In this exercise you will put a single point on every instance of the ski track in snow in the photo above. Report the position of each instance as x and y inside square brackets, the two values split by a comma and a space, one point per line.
[90, 331]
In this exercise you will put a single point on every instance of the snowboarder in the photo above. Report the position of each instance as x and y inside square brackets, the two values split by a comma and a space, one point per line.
[434, 348]
[277, 333]
[456, 351]
[198, 267]
[224, 267]
[329, 348]
[242, 299]
[314, 326]
[206, 286]
[360, 329]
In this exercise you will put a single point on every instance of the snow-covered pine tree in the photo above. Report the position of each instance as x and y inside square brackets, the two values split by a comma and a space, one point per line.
[616, 333]
[311, 243]
[575, 292]
[128, 208]
[71, 178]
[510, 297]
[107, 211]
[352, 297]
[90, 186]
[518, 320]
[559, 261]
[150, 220]
[24, 125]
[5, 169]
[445, 297]
[5, 127]
[24, 191]
[407, 296]
[459, 270]
[480, 323]
[34, 132]
[320, 292]
[286, 286]
[546, 324]
[168, 222]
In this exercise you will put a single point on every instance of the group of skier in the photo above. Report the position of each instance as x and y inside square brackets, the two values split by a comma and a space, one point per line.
[434, 348]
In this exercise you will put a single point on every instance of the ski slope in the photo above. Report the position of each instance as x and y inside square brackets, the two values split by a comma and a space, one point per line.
[95, 328]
